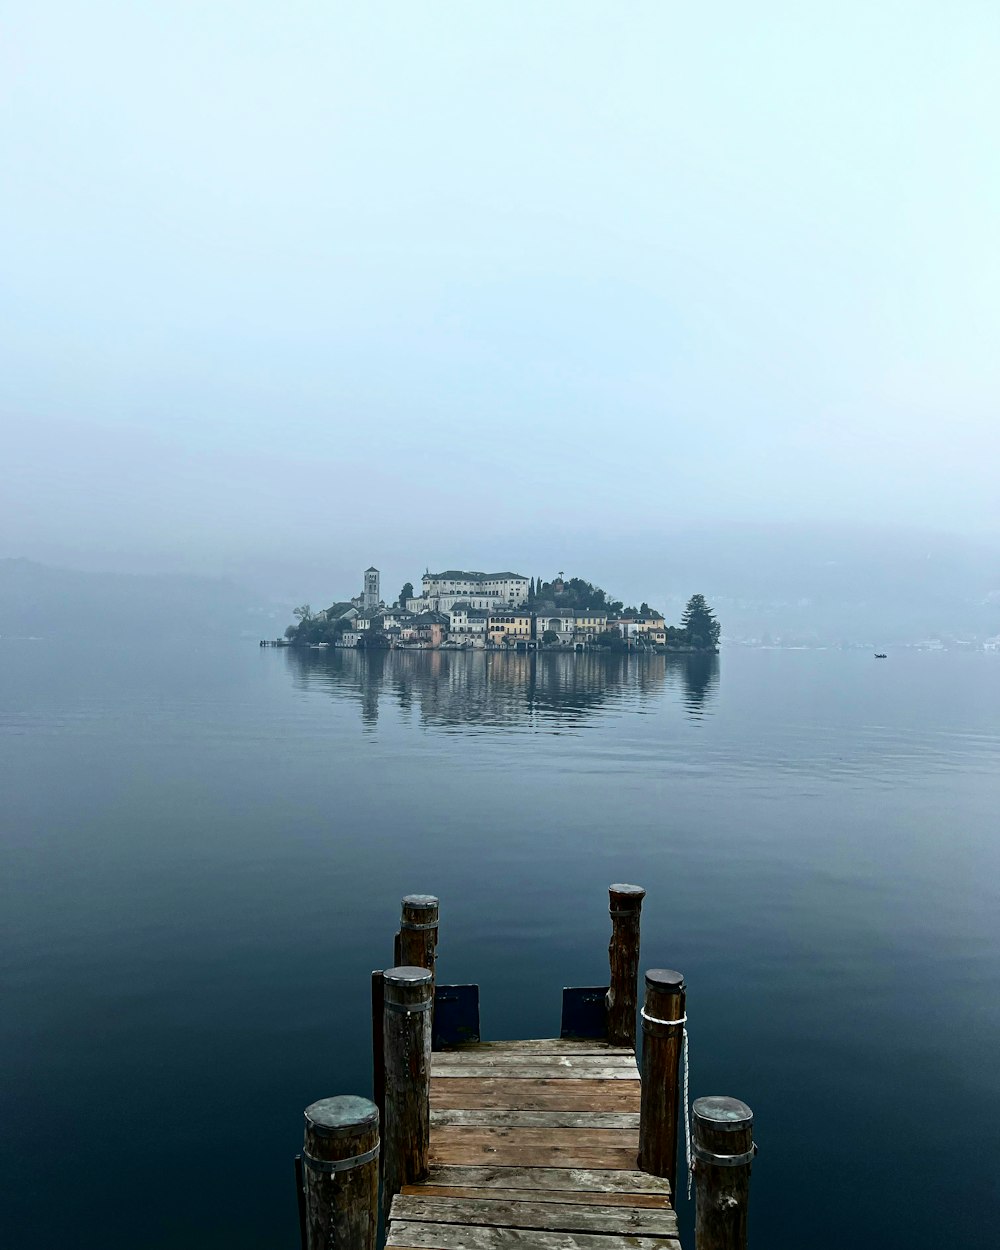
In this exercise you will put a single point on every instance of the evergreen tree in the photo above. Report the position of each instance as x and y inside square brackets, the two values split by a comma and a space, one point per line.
[699, 623]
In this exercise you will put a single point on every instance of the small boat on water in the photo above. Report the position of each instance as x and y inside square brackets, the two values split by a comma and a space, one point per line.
[881, 655]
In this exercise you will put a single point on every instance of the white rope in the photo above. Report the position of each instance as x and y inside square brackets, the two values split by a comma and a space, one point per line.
[687, 1098]
[654, 1020]
[687, 1117]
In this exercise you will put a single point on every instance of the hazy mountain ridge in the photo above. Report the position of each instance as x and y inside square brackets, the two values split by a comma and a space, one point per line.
[831, 585]
[44, 601]
[780, 583]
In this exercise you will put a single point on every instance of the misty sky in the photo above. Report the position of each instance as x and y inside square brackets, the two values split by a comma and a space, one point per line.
[421, 282]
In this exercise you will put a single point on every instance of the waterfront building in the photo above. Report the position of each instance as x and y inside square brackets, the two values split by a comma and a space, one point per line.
[509, 624]
[468, 623]
[428, 629]
[576, 625]
[651, 628]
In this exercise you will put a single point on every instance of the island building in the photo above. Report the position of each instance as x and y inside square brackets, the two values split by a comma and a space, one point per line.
[652, 628]
[468, 624]
[510, 625]
[370, 598]
[371, 592]
[441, 591]
[572, 624]
[470, 609]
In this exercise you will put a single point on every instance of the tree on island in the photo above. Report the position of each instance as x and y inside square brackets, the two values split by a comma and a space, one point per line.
[699, 623]
[405, 593]
[303, 612]
[573, 592]
[549, 636]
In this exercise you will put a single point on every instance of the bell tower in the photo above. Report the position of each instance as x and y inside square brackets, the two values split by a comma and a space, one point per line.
[371, 594]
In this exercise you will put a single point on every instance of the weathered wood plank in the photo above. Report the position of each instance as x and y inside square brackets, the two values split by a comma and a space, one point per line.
[501, 1118]
[541, 1137]
[601, 1148]
[445, 1059]
[500, 1212]
[542, 1067]
[540, 1046]
[525, 1094]
[656, 1202]
[413, 1235]
[597, 1180]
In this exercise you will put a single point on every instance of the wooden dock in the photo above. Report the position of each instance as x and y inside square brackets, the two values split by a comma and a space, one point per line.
[534, 1143]
[553, 1143]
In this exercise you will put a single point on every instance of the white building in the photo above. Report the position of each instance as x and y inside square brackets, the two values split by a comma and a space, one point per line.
[468, 623]
[474, 588]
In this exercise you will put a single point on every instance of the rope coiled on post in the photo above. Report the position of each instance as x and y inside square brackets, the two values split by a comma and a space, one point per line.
[687, 1097]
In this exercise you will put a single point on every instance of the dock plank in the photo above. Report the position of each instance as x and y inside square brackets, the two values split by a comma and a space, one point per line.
[511, 1060]
[413, 1235]
[534, 1144]
[600, 1148]
[539, 1046]
[501, 1212]
[594, 1180]
[546, 1067]
[501, 1118]
[656, 1202]
[519, 1094]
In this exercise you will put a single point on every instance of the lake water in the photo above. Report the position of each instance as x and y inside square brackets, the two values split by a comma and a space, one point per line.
[203, 852]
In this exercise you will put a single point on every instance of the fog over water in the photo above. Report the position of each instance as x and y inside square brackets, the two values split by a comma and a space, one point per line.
[288, 290]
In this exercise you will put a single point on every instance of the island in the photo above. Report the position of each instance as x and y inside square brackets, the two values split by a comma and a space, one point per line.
[463, 610]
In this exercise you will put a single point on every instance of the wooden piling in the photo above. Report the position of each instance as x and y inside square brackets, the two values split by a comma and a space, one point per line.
[378, 1043]
[408, 998]
[340, 1173]
[418, 932]
[623, 955]
[662, 1037]
[722, 1144]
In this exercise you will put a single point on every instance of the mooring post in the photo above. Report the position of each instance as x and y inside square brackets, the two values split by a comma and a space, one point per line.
[418, 932]
[408, 998]
[378, 1042]
[662, 1038]
[340, 1174]
[623, 955]
[722, 1144]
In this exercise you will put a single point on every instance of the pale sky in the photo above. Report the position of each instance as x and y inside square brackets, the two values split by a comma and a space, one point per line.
[332, 281]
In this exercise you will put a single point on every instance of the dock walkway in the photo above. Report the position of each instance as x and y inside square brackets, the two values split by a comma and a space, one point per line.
[534, 1143]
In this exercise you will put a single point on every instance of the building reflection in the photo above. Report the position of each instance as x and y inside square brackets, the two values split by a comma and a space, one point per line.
[497, 689]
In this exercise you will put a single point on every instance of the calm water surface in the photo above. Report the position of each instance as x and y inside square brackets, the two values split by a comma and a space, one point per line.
[203, 853]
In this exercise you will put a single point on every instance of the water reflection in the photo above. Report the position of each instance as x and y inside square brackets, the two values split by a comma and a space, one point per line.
[504, 689]
[701, 676]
